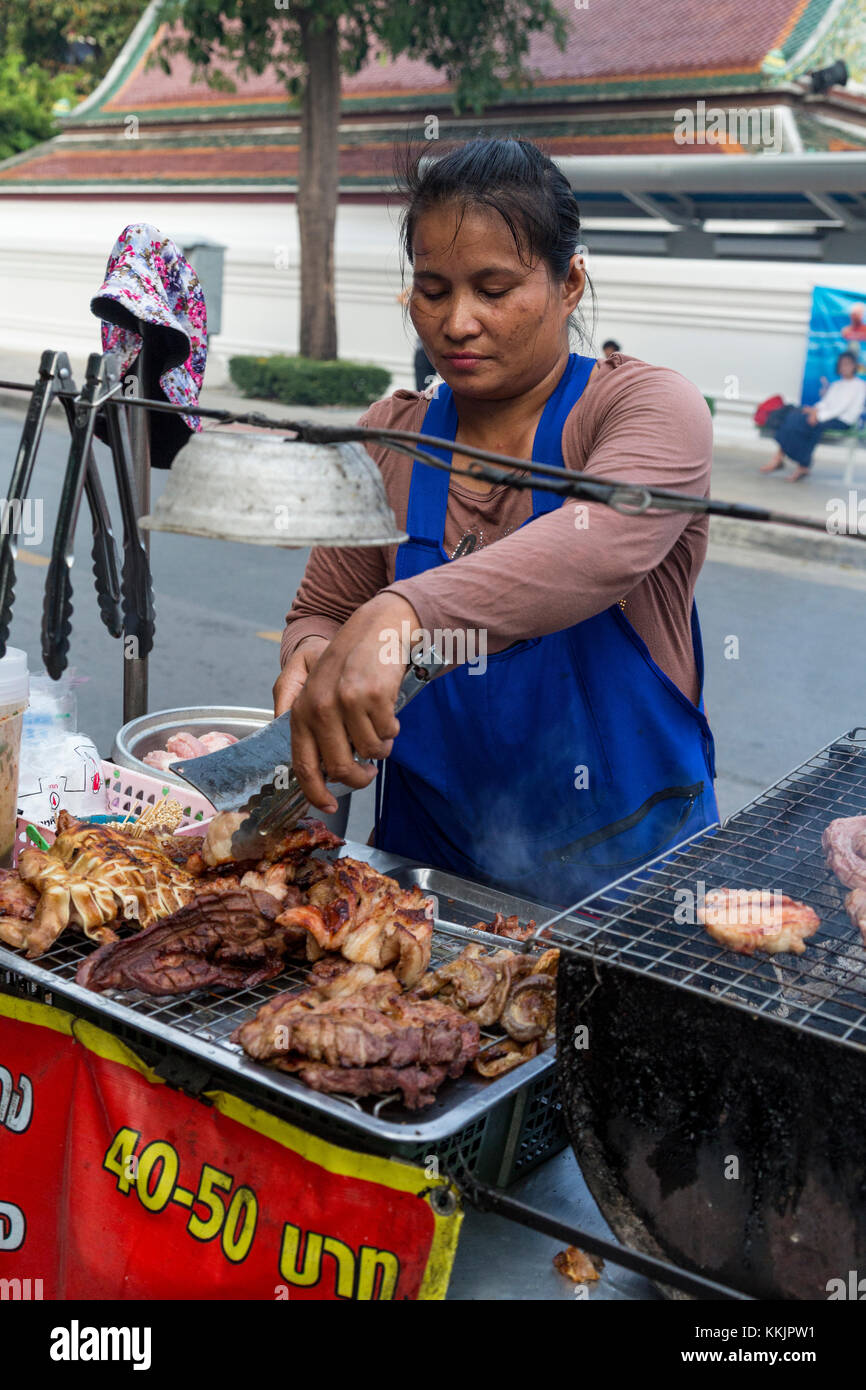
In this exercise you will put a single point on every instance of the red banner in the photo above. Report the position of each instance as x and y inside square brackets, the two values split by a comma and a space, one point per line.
[114, 1185]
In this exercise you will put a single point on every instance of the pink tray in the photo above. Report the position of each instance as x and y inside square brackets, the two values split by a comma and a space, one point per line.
[128, 791]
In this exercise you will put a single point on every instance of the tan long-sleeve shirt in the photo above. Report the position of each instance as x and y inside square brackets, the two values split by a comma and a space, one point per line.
[634, 423]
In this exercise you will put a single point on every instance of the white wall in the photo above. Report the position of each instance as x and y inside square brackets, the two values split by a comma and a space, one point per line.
[711, 320]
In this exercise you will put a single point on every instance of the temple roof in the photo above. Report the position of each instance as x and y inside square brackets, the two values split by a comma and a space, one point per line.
[626, 68]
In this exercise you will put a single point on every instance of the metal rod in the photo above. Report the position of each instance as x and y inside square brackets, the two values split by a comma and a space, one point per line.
[626, 497]
[135, 667]
[485, 1198]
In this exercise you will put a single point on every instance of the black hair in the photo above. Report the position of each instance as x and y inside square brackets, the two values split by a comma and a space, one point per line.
[514, 178]
[611, 343]
[852, 357]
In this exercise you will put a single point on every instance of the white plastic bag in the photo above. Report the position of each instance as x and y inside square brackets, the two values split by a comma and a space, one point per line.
[60, 771]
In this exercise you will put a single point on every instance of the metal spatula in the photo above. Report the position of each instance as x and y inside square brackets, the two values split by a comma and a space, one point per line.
[254, 774]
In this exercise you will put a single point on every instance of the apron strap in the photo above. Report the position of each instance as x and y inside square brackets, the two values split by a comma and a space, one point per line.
[547, 446]
[428, 489]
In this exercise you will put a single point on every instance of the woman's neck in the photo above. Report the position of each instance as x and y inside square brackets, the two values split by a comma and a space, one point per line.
[509, 418]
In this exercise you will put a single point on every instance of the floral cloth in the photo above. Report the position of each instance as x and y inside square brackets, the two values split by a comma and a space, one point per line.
[147, 280]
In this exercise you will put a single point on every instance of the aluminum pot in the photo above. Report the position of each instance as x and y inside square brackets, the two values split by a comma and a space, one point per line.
[150, 732]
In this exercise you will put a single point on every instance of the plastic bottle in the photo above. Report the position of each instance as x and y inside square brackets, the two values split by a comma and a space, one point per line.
[14, 694]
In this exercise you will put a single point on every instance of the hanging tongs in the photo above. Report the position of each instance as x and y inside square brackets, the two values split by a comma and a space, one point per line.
[139, 620]
[101, 383]
[55, 375]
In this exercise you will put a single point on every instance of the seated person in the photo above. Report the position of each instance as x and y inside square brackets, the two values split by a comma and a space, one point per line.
[801, 427]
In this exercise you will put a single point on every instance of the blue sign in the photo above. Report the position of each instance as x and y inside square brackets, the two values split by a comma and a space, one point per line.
[838, 324]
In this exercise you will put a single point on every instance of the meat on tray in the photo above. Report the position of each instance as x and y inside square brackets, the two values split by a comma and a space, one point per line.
[226, 938]
[17, 905]
[747, 920]
[299, 842]
[507, 926]
[368, 918]
[356, 1032]
[183, 745]
[90, 876]
[844, 842]
[517, 991]
[94, 875]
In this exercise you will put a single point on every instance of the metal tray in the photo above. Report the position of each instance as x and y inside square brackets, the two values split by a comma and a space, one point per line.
[198, 1025]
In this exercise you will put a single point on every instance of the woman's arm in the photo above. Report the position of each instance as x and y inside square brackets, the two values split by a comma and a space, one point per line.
[338, 580]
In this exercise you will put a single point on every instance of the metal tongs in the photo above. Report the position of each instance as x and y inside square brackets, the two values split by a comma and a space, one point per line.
[102, 382]
[55, 375]
[255, 774]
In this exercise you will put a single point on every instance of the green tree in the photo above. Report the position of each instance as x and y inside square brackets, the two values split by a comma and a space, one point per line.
[44, 29]
[309, 43]
[27, 95]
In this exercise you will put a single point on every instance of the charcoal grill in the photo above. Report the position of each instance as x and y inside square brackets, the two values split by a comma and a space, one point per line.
[717, 1106]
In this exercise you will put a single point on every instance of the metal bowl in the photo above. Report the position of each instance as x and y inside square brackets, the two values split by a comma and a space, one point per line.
[151, 731]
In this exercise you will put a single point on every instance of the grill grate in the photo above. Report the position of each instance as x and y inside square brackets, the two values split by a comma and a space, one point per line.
[646, 921]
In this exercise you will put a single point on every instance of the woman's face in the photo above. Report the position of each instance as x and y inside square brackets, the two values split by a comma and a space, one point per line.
[845, 367]
[492, 327]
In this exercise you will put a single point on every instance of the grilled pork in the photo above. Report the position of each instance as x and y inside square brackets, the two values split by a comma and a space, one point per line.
[844, 843]
[358, 1033]
[747, 920]
[516, 991]
[855, 906]
[17, 905]
[227, 938]
[296, 844]
[93, 874]
[368, 918]
[507, 926]
[529, 1012]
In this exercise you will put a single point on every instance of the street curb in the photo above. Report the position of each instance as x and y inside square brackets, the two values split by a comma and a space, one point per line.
[789, 540]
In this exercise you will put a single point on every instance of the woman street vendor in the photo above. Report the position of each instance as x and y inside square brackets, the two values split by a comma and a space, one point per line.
[566, 743]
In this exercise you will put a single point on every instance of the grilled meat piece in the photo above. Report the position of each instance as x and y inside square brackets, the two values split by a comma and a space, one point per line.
[296, 844]
[747, 920]
[359, 1034]
[529, 1012]
[508, 926]
[17, 899]
[477, 982]
[504, 1056]
[417, 1086]
[368, 918]
[577, 1266]
[226, 939]
[185, 852]
[17, 905]
[844, 843]
[855, 906]
[94, 873]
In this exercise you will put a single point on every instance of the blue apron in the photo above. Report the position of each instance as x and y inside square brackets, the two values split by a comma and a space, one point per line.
[571, 760]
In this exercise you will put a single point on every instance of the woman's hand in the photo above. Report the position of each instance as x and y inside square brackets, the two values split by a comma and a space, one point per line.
[291, 680]
[811, 414]
[347, 702]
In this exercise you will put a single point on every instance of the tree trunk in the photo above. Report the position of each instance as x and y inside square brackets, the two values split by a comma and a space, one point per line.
[317, 188]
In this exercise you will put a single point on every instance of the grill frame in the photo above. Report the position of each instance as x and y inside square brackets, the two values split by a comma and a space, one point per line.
[214, 1063]
[773, 842]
